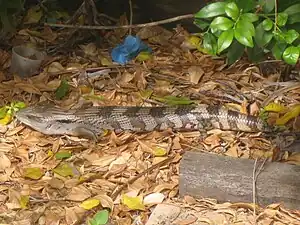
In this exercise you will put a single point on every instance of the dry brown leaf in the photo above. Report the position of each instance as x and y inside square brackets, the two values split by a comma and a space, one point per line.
[79, 193]
[56, 183]
[73, 214]
[163, 187]
[196, 73]
[90, 49]
[105, 201]
[294, 158]
[4, 161]
[118, 158]
[103, 161]
[190, 200]
[30, 88]
[55, 67]
[232, 151]
[145, 146]
[213, 140]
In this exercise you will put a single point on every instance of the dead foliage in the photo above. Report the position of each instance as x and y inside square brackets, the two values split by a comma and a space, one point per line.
[65, 180]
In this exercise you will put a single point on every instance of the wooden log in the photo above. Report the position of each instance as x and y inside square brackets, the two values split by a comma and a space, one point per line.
[229, 179]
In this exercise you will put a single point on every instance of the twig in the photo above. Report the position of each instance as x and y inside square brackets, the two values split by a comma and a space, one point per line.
[280, 92]
[170, 20]
[254, 177]
[117, 191]
[130, 16]
[254, 190]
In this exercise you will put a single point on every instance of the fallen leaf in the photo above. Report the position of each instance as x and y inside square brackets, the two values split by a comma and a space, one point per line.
[158, 151]
[134, 203]
[79, 193]
[55, 67]
[63, 154]
[105, 201]
[33, 173]
[294, 158]
[90, 203]
[56, 183]
[4, 162]
[292, 113]
[62, 90]
[24, 200]
[64, 170]
[232, 151]
[100, 218]
[190, 200]
[275, 107]
[196, 73]
[104, 161]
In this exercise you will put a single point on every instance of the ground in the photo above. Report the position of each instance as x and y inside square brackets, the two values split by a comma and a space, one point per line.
[66, 180]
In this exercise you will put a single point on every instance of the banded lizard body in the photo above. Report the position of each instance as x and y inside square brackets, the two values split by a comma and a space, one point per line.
[93, 121]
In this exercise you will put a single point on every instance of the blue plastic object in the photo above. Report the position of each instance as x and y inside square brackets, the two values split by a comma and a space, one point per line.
[127, 51]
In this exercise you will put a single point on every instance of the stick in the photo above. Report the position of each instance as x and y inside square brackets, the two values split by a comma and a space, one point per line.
[170, 20]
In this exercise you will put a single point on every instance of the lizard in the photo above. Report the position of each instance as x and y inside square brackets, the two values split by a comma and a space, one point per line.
[95, 120]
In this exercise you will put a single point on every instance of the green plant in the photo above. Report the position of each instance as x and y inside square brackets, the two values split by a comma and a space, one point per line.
[258, 27]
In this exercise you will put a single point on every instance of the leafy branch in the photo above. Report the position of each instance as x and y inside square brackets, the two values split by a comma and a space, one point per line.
[236, 26]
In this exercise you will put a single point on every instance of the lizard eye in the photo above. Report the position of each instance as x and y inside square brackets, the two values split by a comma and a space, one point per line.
[34, 118]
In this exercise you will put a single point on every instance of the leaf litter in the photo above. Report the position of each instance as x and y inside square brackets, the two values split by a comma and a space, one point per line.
[69, 180]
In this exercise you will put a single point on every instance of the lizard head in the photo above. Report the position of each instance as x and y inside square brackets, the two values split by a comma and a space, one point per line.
[42, 118]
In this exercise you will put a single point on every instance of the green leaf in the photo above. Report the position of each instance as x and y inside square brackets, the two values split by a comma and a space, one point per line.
[268, 5]
[235, 52]
[143, 56]
[244, 32]
[291, 55]
[211, 10]
[221, 23]
[19, 105]
[246, 25]
[291, 36]
[293, 9]
[3, 111]
[225, 40]
[267, 24]
[63, 154]
[62, 90]
[278, 49]
[100, 218]
[245, 39]
[246, 5]
[232, 10]
[262, 37]
[295, 18]
[173, 100]
[279, 36]
[201, 24]
[251, 17]
[209, 44]
[217, 33]
[282, 19]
